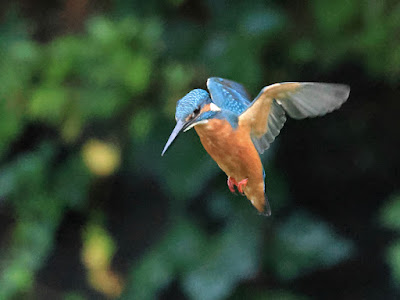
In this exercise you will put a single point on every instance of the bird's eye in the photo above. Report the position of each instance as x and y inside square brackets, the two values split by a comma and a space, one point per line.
[195, 113]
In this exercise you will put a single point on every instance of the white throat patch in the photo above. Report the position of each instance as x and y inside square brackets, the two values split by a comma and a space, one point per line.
[194, 124]
[214, 107]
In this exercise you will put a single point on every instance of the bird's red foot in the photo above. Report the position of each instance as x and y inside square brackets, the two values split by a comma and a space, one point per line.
[240, 185]
[231, 184]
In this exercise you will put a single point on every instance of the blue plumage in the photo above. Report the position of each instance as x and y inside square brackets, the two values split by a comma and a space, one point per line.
[194, 100]
[228, 95]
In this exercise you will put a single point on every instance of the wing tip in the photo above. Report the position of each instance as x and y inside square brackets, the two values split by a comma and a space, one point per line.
[340, 90]
[346, 91]
[342, 93]
[335, 95]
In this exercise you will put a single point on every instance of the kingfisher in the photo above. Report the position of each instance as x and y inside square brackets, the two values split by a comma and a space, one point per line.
[235, 130]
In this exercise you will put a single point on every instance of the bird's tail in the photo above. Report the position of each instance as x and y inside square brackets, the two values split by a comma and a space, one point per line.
[259, 200]
[267, 207]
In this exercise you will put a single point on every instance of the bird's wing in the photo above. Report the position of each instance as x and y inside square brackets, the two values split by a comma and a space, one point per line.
[266, 114]
[276, 120]
[228, 95]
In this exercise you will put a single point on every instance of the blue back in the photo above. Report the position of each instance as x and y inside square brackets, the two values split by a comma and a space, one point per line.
[228, 95]
[232, 98]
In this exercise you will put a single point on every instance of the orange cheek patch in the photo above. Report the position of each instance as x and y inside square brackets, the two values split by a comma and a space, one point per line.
[205, 108]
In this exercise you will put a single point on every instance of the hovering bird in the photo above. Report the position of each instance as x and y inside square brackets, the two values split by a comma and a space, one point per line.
[235, 131]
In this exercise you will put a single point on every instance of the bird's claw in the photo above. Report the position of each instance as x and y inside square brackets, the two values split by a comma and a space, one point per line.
[231, 184]
[240, 185]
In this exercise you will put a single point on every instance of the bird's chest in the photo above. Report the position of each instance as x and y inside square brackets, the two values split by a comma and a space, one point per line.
[228, 147]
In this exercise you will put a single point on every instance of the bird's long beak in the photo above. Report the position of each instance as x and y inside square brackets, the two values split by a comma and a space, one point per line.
[178, 128]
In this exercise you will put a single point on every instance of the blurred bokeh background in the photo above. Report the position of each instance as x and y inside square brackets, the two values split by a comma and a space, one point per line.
[90, 210]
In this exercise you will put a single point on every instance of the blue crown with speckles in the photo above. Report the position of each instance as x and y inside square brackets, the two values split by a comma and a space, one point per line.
[193, 100]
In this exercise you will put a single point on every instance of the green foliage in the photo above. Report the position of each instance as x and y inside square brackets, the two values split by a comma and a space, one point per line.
[305, 243]
[117, 80]
[204, 264]
[389, 217]
[270, 294]
[38, 213]
[390, 213]
[73, 296]
[393, 258]
[64, 85]
[356, 29]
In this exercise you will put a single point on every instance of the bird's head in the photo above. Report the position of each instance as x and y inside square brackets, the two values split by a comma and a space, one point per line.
[195, 108]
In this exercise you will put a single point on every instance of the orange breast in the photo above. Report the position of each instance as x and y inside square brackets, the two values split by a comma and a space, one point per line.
[235, 154]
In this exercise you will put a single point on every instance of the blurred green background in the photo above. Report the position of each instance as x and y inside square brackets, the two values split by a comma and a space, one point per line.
[90, 210]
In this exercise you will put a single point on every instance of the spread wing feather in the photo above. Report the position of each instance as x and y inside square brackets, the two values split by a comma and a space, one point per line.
[276, 120]
[266, 114]
[314, 99]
